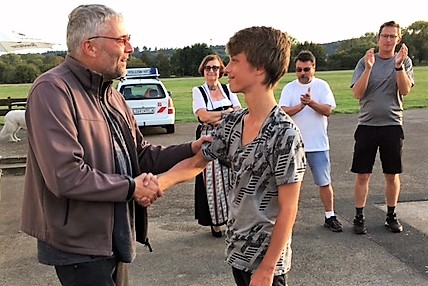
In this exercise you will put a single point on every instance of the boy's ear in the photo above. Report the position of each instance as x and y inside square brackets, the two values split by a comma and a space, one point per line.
[260, 71]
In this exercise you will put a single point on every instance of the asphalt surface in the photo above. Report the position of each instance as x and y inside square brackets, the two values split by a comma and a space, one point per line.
[185, 253]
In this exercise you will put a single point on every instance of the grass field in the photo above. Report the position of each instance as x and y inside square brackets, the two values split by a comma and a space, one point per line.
[181, 90]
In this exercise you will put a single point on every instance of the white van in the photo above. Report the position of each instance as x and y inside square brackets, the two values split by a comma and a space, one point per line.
[148, 98]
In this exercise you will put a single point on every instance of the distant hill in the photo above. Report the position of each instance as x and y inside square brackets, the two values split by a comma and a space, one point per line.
[331, 48]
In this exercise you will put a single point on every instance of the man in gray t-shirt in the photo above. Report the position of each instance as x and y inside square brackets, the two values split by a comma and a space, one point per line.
[379, 82]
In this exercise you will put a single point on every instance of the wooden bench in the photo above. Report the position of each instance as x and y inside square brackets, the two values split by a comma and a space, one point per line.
[9, 104]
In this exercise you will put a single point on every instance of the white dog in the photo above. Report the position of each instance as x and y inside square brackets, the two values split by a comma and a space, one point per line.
[14, 120]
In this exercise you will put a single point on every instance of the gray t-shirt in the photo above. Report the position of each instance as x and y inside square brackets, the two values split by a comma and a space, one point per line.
[274, 158]
[381, 105]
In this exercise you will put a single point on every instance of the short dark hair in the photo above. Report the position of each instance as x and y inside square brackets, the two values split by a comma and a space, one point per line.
[305, 56]
[390, 24]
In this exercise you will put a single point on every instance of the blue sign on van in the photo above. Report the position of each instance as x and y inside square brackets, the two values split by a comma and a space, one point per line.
[142, 72]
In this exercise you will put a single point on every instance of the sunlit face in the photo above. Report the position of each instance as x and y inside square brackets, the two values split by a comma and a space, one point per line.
[114, 49]
[241, 74]
[388, 39]
[305, 71]
[212, 70]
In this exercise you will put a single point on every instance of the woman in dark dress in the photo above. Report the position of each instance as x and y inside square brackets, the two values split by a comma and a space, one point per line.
[211, 102]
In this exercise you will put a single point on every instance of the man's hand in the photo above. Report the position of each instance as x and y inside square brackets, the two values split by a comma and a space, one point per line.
[369, 58]
[306, 98]
[147, 189]
[401, 56]
[196, 145]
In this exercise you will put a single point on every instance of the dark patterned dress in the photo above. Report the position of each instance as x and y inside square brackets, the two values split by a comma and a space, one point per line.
[213, 184]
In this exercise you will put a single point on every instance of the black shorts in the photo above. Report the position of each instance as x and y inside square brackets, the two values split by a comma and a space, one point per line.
[389, 141]
[243, 278]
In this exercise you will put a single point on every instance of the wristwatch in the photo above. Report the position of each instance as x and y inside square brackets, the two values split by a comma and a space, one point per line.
[399, 69]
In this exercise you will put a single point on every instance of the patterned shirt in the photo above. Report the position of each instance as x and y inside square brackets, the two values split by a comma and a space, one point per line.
[275, 157]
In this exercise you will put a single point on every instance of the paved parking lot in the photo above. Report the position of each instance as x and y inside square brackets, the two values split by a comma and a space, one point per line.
[186, 254]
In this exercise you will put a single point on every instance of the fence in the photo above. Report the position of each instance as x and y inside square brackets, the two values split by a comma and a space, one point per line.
[9, 104]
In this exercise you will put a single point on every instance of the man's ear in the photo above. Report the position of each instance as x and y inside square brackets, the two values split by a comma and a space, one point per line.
[89, 48]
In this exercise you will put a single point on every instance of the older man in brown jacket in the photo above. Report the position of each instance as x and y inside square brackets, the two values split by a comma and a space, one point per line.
[89, 171]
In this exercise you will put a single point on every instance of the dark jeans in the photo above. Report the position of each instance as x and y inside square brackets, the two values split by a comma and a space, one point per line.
[243, 278]
[103, 272]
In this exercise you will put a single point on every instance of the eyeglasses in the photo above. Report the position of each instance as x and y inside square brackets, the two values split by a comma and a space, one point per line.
[306, 69]
[122, 39]
[385, 36]
[214, 68]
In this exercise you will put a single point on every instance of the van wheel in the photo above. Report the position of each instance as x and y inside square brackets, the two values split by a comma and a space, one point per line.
[170, 128]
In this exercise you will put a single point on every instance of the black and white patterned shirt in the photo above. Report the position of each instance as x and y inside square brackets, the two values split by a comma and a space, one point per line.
[275, 157]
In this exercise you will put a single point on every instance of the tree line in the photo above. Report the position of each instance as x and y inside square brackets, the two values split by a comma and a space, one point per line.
[183, 62]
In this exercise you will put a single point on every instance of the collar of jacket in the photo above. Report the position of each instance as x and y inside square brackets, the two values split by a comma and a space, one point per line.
[88, 78]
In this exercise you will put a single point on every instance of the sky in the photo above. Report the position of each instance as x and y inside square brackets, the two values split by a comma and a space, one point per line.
[177, 24]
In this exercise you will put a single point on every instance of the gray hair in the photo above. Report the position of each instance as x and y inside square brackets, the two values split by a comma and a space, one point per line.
[87, 21]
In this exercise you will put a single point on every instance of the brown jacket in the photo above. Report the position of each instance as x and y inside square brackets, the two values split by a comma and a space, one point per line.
[70, 181]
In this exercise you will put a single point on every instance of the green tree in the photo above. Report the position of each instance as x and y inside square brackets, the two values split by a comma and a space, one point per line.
[416, 38]
[11, 61]
[316, 49]
[25, 73]
[51, 61]
[350, 51]
[163, 64]
[176, 62]
[146, 61]
[134, 62]
[185, 62]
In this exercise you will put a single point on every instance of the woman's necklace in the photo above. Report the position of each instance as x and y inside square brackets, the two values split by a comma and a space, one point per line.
[212, 87]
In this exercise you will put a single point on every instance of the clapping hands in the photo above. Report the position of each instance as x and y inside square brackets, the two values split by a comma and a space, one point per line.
[306, 98]
[401, 55]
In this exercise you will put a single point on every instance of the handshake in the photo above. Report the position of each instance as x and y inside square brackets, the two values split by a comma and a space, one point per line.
[147, 189]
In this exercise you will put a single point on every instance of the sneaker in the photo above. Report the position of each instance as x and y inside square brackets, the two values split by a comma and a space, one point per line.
[392, 223]
[333, 224]
[360, 225]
